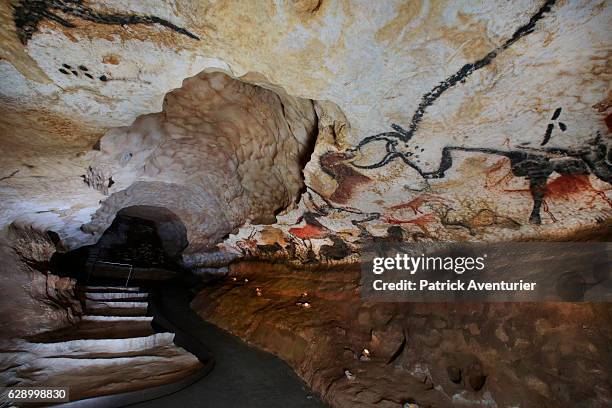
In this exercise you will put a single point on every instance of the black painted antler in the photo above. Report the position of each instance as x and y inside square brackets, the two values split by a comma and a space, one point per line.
[392, 138]
[399, 134]
[430, 97]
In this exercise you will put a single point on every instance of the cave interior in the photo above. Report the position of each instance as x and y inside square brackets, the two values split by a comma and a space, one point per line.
[190, 195]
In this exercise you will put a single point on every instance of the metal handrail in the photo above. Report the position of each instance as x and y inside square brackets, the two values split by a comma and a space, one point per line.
[127, 281]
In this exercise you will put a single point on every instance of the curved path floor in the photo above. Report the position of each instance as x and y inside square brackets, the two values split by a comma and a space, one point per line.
[242, 377]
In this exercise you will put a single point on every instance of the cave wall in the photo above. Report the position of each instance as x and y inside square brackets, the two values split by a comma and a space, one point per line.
[219, 154]
[432, 354]
[34, 299]
[429, 116]
[434, 121]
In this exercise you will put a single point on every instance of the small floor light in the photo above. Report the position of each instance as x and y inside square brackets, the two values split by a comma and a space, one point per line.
[350, 376]
[305, 305]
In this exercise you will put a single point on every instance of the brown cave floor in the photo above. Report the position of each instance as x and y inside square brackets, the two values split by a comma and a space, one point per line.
[434, 354]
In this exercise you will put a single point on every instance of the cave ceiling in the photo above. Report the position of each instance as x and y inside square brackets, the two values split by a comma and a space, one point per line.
[266, 125]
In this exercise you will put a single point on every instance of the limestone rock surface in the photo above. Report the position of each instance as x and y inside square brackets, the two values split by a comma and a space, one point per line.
[433, 116]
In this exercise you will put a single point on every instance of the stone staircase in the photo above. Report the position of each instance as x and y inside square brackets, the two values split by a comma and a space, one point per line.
[113, 349]
[115, 303]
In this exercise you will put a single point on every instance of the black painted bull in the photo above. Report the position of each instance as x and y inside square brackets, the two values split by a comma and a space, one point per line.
[537, 165]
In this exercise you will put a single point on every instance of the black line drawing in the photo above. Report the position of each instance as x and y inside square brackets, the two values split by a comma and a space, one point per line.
[9, 176]
[551, 126]
[28, 14]
[537, 165]
[460, 76]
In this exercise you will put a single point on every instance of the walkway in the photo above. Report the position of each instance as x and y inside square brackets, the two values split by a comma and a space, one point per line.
[242, 377]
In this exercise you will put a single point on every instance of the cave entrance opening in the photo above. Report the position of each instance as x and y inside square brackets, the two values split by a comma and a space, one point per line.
[143, 243]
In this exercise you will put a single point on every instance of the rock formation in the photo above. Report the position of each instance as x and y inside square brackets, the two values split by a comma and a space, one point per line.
[439, 355]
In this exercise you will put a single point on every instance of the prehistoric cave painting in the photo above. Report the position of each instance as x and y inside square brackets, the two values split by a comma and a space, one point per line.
[416, 203]
[551, 126]
[421, 221]
[9, 176]
[333, 164]
[248, 245]
[565, 187]
[328, 207]
[400, 134]
[475, 220]
[28, 14]
[312, 229]
[535, 164]
[335, 252]
[269, 249]
[77, 71]
[395, 240]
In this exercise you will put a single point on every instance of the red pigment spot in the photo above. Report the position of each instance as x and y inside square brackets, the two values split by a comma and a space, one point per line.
[609, 122]
[569, 185]
[308, 232]
[348, 179]
[566, 185]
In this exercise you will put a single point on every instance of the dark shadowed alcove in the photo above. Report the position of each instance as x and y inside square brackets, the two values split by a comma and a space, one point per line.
[146, 241]
[144, 236]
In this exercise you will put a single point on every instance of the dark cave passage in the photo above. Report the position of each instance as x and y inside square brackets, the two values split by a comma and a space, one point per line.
[151, 313]
[143, 236]
[143, 241]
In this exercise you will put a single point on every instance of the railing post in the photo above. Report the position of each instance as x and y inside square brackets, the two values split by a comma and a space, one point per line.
[129, 276]
[127, 281]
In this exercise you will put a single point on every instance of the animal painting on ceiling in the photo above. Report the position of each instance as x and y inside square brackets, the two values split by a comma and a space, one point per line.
[537, 165]
[28, 14]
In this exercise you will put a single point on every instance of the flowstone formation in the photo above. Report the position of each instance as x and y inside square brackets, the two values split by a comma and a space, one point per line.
[221, 153]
